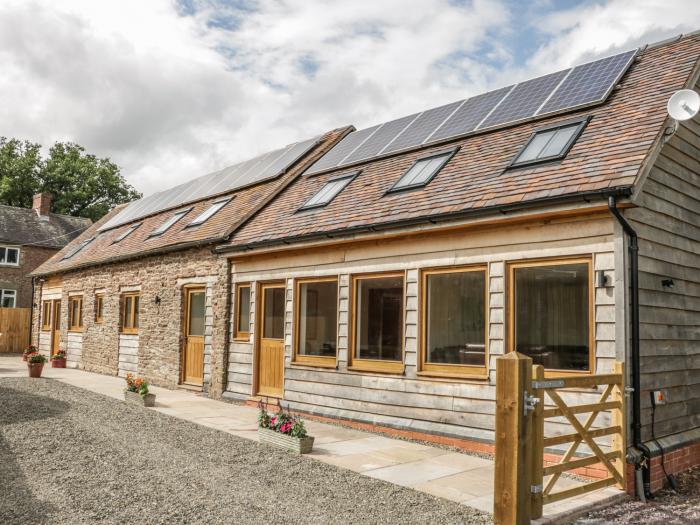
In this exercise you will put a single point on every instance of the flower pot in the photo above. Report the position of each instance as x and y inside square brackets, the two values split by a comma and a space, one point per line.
[35, 369]
[58, 363]
[149, 400]
[24, 357]
[295, 444]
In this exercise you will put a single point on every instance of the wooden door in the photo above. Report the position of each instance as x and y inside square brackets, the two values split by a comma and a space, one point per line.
[56, 326]
[193, 351]
[271, 341]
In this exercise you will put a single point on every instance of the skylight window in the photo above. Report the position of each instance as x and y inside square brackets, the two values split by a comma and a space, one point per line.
[211, 210]
[160, 230]
[126, 233]
[550, 143]
[422, 171]
[75, 249]
[328, 192]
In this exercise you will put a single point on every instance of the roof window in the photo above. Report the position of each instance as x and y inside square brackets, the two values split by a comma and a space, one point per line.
[126, 233]
[211, 210]
[75, 249]
[328, 192]
[422, 171]
[160, 230]
[550, 143]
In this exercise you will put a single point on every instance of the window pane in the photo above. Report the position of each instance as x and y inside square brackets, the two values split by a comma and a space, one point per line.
[244, 309]
[379, 318]
[274, 314]
[137, 300]
[196, 326]
[12, 255]
[3, 255]
[456, 318]
[421, 171]
[535, 147]
[328, 192]
[318, 318]
[127, 311]
[552, 315]
[558, 142]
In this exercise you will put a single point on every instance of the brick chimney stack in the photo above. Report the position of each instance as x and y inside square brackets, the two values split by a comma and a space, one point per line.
[42, 204]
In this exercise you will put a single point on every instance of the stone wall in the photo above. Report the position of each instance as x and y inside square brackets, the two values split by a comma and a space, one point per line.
[160, 323]
[18, 278]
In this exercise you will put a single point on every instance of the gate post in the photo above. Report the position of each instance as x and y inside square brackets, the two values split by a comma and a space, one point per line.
[512, 467]
[537, 454]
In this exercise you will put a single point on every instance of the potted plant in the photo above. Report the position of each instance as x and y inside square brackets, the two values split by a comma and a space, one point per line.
[58, 360]
[136, 391]
[35, 364]
[31, 349]
[283, 430]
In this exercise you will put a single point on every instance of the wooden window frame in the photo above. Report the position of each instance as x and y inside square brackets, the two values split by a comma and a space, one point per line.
[99, 307]
[308, 360]
[74, 326]
[239, 335]
[446, 369]
[122, 314]
[510, 310]
[46, 319]
[375, 365]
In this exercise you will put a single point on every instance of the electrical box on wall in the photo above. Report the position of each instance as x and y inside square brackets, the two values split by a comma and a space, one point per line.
[658, 397]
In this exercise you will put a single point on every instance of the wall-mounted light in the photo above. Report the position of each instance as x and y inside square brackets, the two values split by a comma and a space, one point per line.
[601, 280]
[668, 283]
[157, 299]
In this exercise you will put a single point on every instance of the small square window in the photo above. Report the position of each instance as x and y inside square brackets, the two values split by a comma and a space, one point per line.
[328, 192]
[9, 255]
[549, 143]
[422, 171]
[209, 212]
[126, 233]
[160, 230]
[8, 298]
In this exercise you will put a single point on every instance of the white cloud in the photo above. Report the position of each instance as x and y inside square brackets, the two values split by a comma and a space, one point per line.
[171, 95]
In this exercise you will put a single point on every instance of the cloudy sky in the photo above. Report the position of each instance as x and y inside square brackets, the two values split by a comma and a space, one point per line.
[174, 89]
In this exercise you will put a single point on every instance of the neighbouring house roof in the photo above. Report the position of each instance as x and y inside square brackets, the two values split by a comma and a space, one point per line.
[607, 158]
[24, 226]
[244, 200]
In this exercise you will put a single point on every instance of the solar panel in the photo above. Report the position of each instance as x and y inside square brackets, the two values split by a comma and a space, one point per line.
[421, 128]
[524, 100]
[470, 114]
[379, 140]
[565, 90]
[589, 83]
[255, 170]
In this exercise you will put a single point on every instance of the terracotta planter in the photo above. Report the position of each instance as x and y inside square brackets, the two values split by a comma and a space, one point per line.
[58, 363]
[35, 369]
[149, 400]
[298, 445]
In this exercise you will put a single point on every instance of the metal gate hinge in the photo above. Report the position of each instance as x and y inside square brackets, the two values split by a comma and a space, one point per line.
[536, 489]
[529, 403]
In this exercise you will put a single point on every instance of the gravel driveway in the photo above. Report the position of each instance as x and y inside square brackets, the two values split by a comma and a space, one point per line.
[72, 456]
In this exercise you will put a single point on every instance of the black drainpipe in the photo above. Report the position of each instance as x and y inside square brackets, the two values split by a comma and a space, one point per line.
[641, 461]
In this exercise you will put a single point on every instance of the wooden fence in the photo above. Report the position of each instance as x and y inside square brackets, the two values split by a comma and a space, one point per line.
[525, 398]
[14, 329]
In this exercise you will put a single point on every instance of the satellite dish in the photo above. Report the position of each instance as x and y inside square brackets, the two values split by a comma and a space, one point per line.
[683, 104]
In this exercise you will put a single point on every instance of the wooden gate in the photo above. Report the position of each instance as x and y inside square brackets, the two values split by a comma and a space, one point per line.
[14, 329]
[525, 398]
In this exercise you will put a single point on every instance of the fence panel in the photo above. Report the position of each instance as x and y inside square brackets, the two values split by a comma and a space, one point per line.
[14, 329]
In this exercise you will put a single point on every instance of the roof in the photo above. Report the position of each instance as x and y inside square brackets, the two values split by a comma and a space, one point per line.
[24, 226]
[606, 159]
[244, 201]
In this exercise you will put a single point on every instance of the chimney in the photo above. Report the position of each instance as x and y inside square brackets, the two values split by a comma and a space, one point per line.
[42, 204]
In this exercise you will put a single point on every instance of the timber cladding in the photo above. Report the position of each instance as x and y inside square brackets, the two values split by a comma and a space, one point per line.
[153, 349]
[451, 406]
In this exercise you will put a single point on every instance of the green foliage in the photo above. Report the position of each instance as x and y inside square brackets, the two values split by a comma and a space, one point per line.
[81, 184]
[282, 422]
[36, 358]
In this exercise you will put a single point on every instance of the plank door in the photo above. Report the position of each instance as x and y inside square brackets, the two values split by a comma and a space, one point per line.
[271, 341]
[55, 326]
[193, 351]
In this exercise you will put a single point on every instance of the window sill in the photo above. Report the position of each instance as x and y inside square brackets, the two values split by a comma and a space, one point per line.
[75, 330]
[242, 339]
[382, 367]
[317, 362]
[129, 332]
[454, 375]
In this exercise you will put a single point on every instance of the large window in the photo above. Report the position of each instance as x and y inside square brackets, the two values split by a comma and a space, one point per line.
[75, 313]
[9, 256]
[8, 298]
[46, 315]
[99, 307]
[378, 322]
[454, 321]
[242, 320]
[550, 313]
[316, 321]
[130, 313]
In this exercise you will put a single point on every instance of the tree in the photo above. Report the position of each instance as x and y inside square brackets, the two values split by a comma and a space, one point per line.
[81, 184]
